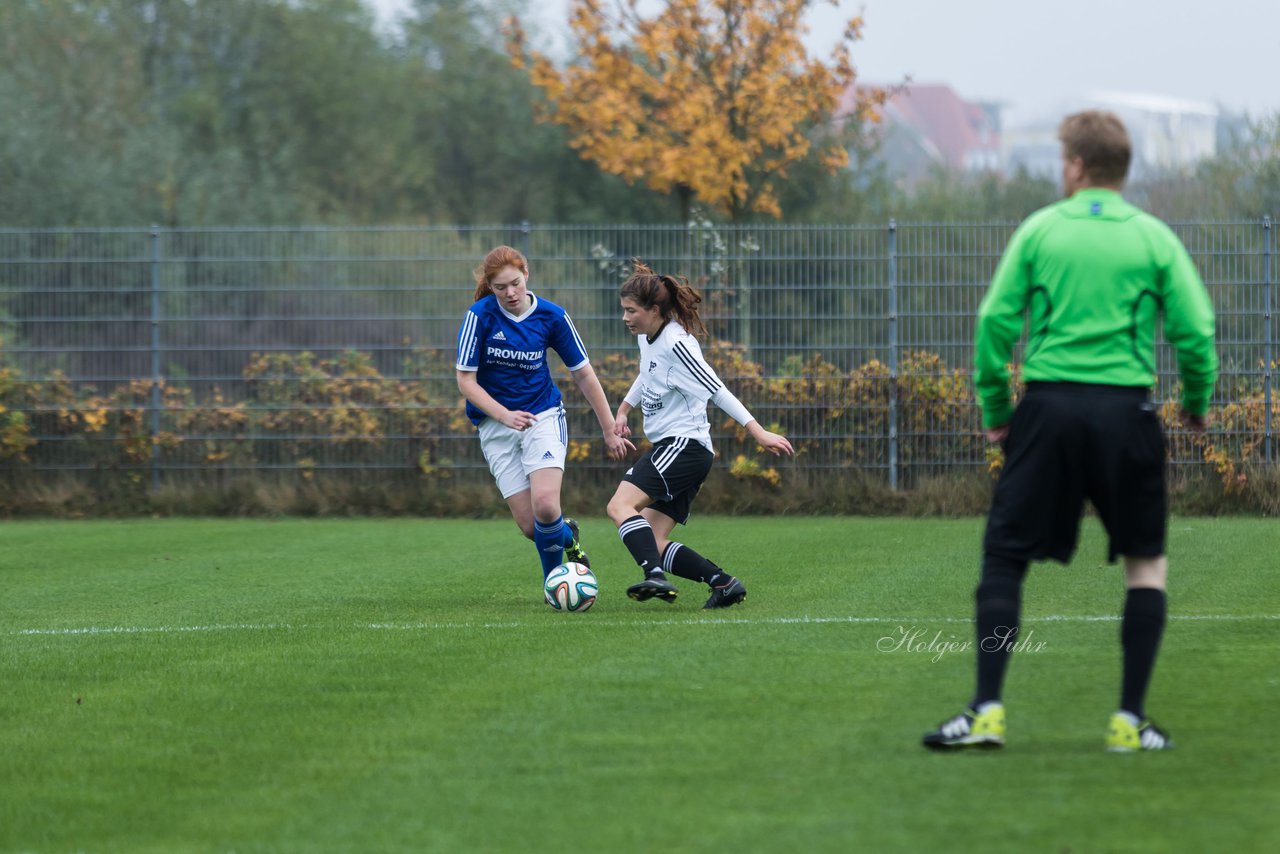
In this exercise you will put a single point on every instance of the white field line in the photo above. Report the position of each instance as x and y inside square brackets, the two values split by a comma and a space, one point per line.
[604, 623]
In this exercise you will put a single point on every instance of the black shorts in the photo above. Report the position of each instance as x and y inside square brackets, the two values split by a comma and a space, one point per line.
[1068, 442]
[671, 473]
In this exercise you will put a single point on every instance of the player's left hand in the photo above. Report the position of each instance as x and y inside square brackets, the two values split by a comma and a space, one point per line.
[775, 444]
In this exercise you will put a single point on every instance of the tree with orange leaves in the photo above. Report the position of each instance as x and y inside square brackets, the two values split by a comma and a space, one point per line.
[707, 99]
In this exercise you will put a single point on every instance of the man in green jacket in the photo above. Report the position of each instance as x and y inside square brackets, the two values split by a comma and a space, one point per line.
[1091, 274]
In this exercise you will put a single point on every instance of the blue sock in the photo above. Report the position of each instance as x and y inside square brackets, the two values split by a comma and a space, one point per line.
[548, 537]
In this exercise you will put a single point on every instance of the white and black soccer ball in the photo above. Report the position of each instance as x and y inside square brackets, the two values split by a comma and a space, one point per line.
[571, 587]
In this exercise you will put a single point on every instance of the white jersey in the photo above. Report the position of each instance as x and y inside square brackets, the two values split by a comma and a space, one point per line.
[674, 385]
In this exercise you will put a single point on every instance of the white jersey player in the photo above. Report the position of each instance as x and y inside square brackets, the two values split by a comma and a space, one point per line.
[674, 385]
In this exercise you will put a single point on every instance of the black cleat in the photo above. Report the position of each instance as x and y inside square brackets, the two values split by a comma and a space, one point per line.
[574, 552]
[724, 595]
[654, 586]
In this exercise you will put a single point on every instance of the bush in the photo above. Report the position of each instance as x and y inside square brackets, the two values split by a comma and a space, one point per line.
[334, 436]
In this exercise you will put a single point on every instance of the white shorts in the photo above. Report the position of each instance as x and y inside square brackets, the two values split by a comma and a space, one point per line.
[512, 454]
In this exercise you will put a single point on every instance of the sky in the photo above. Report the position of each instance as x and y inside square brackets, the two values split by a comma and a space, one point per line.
[1034, 56]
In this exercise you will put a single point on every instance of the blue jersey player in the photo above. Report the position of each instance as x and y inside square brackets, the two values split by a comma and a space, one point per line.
[511, 398]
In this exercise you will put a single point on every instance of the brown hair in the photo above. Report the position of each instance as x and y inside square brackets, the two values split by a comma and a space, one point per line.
[1100, 140]
[673, 295]
[502, 256]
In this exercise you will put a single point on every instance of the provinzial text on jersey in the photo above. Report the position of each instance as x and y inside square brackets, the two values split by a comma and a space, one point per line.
[515, 357]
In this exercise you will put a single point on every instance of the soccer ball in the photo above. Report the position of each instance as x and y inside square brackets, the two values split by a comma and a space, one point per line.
[571, 587]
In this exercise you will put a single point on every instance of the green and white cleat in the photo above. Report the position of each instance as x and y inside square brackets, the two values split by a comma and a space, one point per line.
[1127, 734]
[574, 553]
[970, 728]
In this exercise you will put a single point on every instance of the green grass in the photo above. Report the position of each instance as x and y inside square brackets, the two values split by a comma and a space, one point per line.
[397, 685]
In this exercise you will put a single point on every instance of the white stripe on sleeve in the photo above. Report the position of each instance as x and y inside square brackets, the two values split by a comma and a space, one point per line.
[577, 340]
[467, 342]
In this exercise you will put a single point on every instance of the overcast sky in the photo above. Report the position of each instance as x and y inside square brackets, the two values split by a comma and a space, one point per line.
[1035, 55]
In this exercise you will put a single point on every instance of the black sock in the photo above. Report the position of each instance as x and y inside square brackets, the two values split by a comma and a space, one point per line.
[998, 602]
[638, 537]
[1140, 633]
[679, 559]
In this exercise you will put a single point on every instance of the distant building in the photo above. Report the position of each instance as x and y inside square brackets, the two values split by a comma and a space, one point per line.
[1167, 133]
[927, 126]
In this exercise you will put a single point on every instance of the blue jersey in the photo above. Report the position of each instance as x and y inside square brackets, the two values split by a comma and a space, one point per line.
[509, 353]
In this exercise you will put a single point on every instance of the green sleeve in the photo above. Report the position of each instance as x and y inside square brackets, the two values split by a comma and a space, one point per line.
[1189, 326]
[1000, 318]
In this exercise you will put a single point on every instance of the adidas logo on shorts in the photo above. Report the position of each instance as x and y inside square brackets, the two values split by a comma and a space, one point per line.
[548, 456]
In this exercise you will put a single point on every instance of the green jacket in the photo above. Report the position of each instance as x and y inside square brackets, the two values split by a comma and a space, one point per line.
[1093, 273]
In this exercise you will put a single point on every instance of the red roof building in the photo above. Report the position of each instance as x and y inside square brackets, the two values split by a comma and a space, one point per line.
[927, 126]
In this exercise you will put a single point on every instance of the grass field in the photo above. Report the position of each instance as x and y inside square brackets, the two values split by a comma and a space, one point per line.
[398, 685]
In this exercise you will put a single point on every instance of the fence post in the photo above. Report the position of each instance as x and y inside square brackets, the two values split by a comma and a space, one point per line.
[893, 354]
[742, 282]
[524, 238]
[1268, 338]
[155, 357]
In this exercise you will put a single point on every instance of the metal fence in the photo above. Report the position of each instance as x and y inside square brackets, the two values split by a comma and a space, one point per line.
[170, 353]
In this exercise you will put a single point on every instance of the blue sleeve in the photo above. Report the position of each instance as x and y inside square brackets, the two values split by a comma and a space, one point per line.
[568, 344]
[469, 337]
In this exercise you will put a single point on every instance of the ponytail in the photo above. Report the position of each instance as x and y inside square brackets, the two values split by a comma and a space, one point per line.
[673, 295]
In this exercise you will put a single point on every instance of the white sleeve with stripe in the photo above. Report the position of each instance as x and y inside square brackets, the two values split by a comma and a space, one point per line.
[691, 359]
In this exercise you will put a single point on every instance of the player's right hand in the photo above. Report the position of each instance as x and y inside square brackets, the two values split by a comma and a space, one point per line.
[1194, 423]
[518, 419]
[616, 446]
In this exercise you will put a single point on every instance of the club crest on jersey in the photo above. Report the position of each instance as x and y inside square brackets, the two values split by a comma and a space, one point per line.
[652, 366]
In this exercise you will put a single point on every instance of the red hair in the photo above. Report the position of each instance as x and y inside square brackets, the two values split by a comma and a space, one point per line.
[493, 263]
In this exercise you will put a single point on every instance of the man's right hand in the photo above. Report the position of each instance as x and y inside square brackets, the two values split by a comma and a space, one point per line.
[1194, 423]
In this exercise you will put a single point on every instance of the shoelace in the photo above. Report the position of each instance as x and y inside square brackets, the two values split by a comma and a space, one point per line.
[959, 725]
